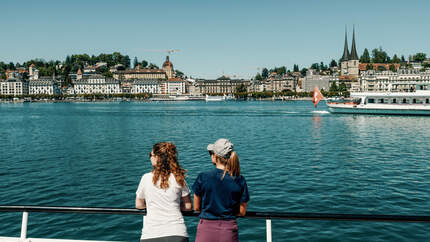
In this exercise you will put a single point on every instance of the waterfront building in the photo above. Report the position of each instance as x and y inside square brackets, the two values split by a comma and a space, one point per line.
[145, 73]
[225, 86]
[313, 78]
[100, 64]
[282, 82]
[168, 68]
[403, 80]
[145, 86]
[14, 86]
[79, 75]
[97, 84]
[89, 69]
[262, 86]
[172, 86]
[44, 85]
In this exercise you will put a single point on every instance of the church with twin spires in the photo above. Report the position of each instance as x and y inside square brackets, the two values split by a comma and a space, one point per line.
[349, 61]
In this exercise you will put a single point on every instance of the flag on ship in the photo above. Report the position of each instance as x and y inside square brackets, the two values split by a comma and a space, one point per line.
[317, 96]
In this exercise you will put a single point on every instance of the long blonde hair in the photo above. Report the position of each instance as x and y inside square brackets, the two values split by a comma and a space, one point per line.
[167, 163]
[231, 164]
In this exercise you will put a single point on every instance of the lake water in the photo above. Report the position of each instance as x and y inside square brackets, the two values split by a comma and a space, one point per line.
[294, 157]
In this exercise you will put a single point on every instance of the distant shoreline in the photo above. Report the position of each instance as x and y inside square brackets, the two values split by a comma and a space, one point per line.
[148, 101]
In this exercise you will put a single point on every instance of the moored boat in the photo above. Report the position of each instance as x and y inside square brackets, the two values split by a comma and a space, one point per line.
[215, 98]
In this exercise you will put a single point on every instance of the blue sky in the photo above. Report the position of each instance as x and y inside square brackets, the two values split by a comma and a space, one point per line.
[214, 37]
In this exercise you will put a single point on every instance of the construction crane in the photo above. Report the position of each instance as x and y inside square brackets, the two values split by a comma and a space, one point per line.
[168, 51]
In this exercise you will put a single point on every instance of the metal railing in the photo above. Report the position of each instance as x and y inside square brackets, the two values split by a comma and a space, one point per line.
[259, 215]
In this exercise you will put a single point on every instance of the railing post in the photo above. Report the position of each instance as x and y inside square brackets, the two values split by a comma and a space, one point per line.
[268, 230]
[24, 225]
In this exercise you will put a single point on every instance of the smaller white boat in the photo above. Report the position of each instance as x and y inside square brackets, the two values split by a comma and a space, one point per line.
[215, 98]
[180, 98]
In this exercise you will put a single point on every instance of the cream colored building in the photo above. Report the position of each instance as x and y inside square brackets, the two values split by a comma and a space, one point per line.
[402, 81]
[13, 86]
[174, 86]
[43, 85]
[140, 74]
[97, 84]
[225, 86]
[145, 86]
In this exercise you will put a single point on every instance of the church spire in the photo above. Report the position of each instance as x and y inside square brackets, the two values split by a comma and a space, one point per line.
[353, 55]
[345, 56]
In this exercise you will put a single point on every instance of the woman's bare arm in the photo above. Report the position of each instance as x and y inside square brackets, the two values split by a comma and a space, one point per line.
[140, 203]
[242, 209]
[196, 201]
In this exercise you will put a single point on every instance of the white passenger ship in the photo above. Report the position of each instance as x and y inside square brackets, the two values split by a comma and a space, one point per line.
[393, 103]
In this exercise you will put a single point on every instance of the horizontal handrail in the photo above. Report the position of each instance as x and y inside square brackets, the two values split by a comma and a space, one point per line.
[250, 214]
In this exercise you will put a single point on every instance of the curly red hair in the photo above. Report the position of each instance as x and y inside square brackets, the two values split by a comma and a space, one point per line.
[167, 163]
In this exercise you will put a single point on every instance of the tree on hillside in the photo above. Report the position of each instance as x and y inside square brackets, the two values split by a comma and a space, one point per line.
[258, 77]
[144, 63]
[342, 87]
[315, 66]
[241, 88]
[333, 87]
[333, 63]
[395, 59]
[265, 73]
[393, 68]
[369, 66]
[403, 59]
[303, 71]
[382, 68]
[179, 73]
[135, 62]
[323, 67]
[379, 56]
[153, 66]
[296, 68]
[419, 57]
[365, 57]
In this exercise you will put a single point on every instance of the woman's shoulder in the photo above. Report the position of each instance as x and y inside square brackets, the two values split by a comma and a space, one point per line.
[148, 175]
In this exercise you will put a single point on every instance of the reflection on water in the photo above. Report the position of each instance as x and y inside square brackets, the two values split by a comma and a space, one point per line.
[295, 159]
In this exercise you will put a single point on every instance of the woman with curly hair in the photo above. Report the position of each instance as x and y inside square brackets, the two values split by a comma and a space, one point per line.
[164, 193]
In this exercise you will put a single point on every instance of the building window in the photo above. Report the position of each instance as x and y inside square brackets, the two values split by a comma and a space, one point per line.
[394, 100]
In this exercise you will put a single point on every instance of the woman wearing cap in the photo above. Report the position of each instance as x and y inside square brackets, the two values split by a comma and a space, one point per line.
[164, 193]
[220, 195]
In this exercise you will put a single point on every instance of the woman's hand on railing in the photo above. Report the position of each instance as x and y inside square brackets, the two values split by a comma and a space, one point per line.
[242, 210]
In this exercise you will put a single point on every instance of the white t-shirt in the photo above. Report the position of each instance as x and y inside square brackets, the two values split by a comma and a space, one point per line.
[163, 210]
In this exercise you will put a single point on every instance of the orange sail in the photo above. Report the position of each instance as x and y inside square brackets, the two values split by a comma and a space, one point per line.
[317, 96]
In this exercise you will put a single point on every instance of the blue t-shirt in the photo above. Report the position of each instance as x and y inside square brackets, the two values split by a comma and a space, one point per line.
[221, 197]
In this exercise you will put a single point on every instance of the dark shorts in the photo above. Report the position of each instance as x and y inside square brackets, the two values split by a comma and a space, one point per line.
[217, 231]
[167, 239]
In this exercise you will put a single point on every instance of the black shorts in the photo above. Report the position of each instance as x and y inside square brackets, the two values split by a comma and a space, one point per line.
[167, 239]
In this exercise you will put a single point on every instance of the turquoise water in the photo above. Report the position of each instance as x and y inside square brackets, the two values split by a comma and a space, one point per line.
[295, 158]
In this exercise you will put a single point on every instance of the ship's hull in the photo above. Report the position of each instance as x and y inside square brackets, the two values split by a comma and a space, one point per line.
[377, 109]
